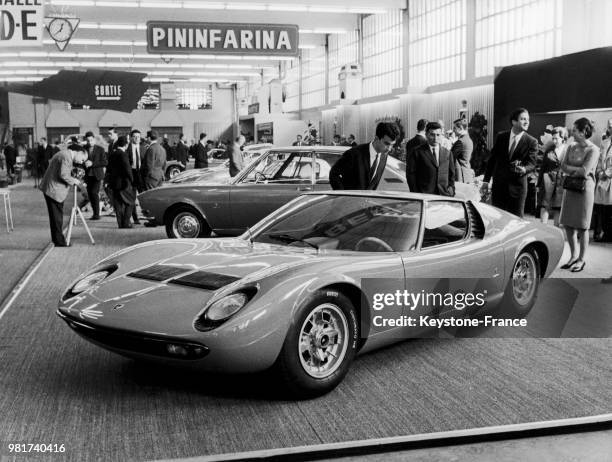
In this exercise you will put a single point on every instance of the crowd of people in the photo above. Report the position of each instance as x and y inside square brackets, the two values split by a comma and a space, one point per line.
[572, 177]
[573, 174]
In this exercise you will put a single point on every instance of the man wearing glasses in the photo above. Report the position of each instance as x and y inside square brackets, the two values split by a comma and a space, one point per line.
[362, 167]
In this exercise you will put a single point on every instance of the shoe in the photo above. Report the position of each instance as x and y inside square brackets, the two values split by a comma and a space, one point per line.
[578, 267]
[607, 280]
[136, 222]
[95, 217]
[63, 245]
[569, 264]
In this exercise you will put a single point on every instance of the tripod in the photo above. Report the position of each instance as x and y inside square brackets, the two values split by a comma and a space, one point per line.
[76, 211]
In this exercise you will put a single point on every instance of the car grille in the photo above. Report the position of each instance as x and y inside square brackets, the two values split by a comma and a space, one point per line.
[136, 343]
[205, 280]
[158, 272]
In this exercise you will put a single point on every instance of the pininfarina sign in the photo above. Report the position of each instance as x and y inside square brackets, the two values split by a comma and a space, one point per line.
[222, 38]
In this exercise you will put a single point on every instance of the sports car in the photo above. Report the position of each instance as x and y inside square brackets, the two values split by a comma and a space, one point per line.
[197, 209]
[296, 293]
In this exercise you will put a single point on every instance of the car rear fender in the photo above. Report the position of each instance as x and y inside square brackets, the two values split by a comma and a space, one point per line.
[184, 202]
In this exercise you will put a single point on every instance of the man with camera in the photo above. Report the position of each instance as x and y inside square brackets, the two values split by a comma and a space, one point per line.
[55, 186]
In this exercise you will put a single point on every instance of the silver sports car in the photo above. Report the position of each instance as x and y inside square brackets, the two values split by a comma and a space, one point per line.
[298, 292]
[198, 208]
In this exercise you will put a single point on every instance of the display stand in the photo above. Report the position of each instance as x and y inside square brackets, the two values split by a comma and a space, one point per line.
[76, 212]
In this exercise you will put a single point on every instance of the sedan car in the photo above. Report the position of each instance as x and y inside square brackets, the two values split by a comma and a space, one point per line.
[297, 292]
[196, 209]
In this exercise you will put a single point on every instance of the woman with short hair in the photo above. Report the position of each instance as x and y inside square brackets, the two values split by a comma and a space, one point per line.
[579, 166]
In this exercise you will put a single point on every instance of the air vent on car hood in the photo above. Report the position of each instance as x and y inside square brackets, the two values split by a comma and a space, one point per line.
[477, 227]
[205, 280]
[158, 272]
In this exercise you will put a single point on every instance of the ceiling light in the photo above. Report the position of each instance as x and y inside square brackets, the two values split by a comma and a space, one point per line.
[307, 47]
[89, 25]
[118, 4]
[287, 7]
[62, 55]
[118, 26]
[91, 55]
[155, 79]
[73, 2]
[245, 6]
[204, 6]
[327, 9]
[158, 5]
[84, 42]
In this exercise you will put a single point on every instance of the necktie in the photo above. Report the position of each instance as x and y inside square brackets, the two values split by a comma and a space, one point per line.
[435, 154]
[374, 166]
[137, 155]
[512, 147]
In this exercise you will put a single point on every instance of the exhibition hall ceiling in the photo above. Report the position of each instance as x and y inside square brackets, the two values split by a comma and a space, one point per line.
[113, 35]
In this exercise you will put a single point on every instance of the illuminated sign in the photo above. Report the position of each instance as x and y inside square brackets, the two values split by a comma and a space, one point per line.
[21, 23]
[107, 92]
[221, 38]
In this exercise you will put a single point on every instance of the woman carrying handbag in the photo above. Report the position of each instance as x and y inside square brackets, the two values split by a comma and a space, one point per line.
[579, 165]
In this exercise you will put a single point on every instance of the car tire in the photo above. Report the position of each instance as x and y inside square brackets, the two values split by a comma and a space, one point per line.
[309, 363]
[173, 171]
[522, 289]
[186, 222]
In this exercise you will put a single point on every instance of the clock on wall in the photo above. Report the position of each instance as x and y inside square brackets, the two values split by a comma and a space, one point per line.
[60, 29]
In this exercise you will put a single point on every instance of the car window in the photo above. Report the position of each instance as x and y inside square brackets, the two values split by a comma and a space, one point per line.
[325, 161]
[365, 224]
[445, 222]
[282, 167]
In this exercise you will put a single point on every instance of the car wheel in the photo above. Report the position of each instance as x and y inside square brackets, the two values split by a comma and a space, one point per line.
[320, 345]
[186, 222]
[173, 171]
[522, 289]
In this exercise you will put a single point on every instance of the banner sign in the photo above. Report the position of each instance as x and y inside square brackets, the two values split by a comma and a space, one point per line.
[21, 23]
[221, 38]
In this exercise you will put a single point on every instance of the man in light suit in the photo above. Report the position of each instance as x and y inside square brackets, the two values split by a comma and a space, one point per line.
[55, 186]
[363, 166]
[462, 152]
[153, 163]
[513, 157]
[234, 153]
[431, 167]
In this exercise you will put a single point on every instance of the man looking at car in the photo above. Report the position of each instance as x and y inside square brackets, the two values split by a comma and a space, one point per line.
[201, 152]
[362, 167]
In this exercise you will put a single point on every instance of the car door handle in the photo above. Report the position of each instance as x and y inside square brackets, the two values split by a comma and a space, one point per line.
[304, 188]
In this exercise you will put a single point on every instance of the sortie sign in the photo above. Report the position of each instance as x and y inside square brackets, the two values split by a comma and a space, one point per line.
[21, 23]
[221, 38]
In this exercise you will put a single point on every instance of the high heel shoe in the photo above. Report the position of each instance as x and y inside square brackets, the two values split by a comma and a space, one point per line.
[569, 264]
[578, 267]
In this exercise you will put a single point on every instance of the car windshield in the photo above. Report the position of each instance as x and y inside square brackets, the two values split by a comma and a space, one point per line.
[364, 224]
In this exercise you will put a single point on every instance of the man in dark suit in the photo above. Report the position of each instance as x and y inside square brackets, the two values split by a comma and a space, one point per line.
[120, 182]
[363, 166]
[45, 152]
[153, 163]
[430, 169]
[182, 151]
[462, 152]
[94, 173]
[513, 157]
[419, 139]
[112, 139]
[135, 154]
[201, 152]
[10, 154]
[298, 141]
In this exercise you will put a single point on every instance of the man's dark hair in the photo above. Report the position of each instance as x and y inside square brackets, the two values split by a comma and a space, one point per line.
[516, 113]
[433, 126]
[203, 135]
[351, 136]
[43, 139]
[210, 142]
[121, 141]
[298, 136]
[74, 140]
[88, 134]
[152, 135]
[181, 135]
[421, 124]
[461, 123]
[387, 129]
[133, 132]
[336, 137]
[76, 147]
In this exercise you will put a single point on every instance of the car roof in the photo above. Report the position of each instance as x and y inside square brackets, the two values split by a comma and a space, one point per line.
[388, 194]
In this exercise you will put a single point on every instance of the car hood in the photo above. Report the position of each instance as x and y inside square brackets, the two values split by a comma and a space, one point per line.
[160, 287]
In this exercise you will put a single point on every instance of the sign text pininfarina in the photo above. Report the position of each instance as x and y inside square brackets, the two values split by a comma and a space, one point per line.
[222, 38]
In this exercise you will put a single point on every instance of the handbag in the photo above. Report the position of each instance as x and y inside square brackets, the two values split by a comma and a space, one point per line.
[574, 183]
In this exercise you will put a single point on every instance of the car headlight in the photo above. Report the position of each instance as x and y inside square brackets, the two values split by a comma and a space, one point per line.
[226, 307]
[89, 281]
